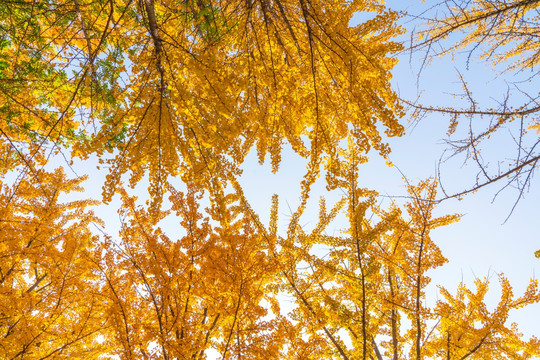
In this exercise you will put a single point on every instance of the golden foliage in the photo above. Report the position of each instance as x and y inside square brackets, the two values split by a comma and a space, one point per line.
[49, 303]
[185, 90]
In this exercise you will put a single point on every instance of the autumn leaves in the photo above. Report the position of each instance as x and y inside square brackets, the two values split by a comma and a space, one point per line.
[168, 90]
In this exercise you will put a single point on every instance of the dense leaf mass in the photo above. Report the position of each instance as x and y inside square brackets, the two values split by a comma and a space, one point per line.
[189, 88]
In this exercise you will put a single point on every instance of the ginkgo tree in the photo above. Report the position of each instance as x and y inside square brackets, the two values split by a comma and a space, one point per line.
[182, 91]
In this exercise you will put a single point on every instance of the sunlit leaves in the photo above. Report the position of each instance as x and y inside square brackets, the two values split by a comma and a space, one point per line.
[48, 300]
[469, 328]
[181, 297]
[183, 91]
[211, 81]
[503, 31]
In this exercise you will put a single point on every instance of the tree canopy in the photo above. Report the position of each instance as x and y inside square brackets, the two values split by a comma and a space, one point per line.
[176, 95]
